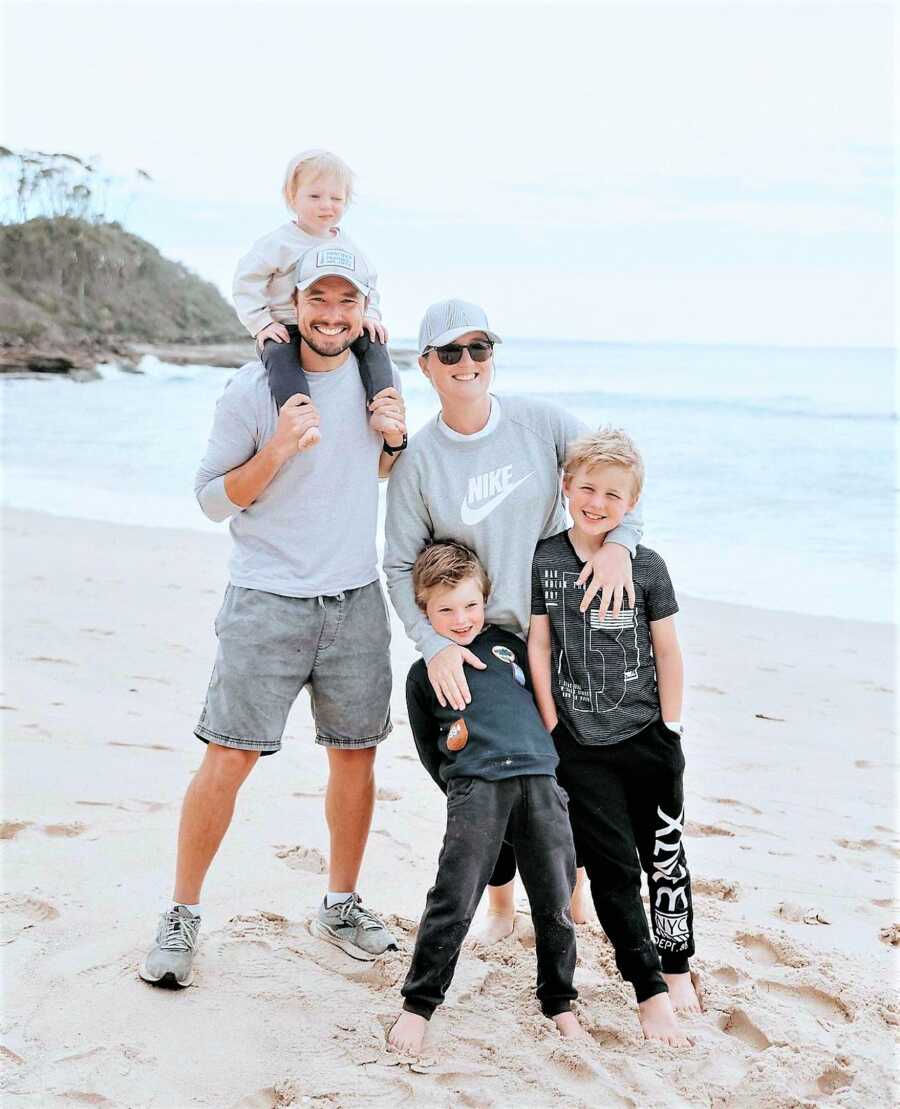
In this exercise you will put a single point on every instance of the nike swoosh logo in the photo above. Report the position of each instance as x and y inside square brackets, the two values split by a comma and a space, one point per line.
[470, 516]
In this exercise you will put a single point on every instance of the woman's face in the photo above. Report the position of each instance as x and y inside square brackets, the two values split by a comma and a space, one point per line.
[466, 381]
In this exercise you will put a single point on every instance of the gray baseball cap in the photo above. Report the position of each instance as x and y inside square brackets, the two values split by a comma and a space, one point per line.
[334, 261]
[448, 319]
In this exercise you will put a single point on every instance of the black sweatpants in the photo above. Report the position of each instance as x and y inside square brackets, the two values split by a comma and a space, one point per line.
[626, 804]
[282, 362]
[531, 810]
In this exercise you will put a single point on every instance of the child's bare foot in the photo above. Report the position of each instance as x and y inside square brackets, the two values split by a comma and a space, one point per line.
[682, 993]
[659, 1023]
[568, 1026]
[578, 907]
[309, 438]
[407, 1034]
[496, 927]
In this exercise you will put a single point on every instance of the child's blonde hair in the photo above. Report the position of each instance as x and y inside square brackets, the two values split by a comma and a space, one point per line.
[608, 446]
[446, 564]
[315, 163]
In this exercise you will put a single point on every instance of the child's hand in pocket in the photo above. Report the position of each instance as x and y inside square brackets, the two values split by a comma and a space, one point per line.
[376, 331]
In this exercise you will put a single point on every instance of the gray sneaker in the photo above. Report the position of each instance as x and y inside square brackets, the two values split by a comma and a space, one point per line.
[353, 929]
[170, 961]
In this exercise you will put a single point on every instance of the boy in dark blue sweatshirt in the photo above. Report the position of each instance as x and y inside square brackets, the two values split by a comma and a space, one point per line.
[496, 762]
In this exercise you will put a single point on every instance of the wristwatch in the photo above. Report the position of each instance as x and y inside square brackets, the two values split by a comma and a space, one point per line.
[395, 450]
[675, 726]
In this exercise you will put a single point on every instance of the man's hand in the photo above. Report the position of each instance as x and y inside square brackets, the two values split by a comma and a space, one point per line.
[277, 332]
[389, 416]
[445, 672]
[609, 570]
[297, 428]
[376, 331]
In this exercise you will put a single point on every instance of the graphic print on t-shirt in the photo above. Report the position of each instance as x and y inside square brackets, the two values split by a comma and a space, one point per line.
[596, 658]
[488, 491]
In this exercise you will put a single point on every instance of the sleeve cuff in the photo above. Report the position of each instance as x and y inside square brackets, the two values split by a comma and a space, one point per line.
[431, 643]
[215, 502]
[624, 537]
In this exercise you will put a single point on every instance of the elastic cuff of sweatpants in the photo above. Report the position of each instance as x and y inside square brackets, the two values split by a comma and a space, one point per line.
[675, 962]
[552, 1009]
[419, 1008]
[646, 988]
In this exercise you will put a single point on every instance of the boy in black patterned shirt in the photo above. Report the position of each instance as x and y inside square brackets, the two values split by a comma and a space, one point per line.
[610, 692]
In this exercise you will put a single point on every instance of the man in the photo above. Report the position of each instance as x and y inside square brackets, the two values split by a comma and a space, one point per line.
[304, 606]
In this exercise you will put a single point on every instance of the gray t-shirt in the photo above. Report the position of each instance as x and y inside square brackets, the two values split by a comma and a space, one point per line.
[311, 532]
[498, 491]
[603, 675]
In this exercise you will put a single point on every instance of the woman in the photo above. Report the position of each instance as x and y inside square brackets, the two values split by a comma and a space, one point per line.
[486, 472]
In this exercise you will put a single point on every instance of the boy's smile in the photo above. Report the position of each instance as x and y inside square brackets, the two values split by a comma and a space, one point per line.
[599, 497]
[457, 612]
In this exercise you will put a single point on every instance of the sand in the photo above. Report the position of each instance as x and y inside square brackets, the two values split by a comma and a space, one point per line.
[792, 841]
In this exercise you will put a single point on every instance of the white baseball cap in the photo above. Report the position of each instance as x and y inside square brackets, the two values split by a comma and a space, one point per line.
[448, 319]
[333, 261]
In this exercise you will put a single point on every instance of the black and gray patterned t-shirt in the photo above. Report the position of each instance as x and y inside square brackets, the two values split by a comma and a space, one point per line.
[603, 675]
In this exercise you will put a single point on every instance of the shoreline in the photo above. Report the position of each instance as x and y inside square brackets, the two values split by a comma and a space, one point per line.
[790, 808]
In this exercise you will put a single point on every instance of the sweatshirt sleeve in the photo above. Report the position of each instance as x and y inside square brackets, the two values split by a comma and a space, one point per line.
[425, 728]
[566, 429]
[249, 290]
[232, 441]
[407, 528]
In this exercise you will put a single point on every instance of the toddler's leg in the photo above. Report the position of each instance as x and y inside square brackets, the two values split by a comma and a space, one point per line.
[282, 362]
[376, 373]
[543, 839]
[501, 914]
[477, 814]
[657, 807]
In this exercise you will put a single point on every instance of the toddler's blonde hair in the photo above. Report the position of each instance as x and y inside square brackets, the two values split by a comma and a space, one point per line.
[315, 163]
[608, 446]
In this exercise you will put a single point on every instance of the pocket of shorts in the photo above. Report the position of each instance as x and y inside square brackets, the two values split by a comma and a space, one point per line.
[217, 623]
[458, 789]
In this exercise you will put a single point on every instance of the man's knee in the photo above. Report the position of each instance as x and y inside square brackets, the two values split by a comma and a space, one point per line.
[352, 762]
[228, 766]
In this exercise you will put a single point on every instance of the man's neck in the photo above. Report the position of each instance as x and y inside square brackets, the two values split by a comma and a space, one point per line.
[469, 417]
[586, 546]
[312, 363]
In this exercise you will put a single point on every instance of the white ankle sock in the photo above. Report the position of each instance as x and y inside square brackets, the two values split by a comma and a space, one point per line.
[195, 909]
[332, 898]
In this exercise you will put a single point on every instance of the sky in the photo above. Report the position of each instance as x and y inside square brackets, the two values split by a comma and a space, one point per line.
[707, 173]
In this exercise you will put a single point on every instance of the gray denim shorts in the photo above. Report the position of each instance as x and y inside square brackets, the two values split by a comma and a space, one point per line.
[270, 647]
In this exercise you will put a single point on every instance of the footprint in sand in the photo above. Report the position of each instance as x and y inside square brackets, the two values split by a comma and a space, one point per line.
[731, 803]
[708, 689]
[9, 829]
[64, 831]
[303, 858]
[692, 828]
[21, 913]
[729, 976]
[868, 845]
[765, 952]
[830, 1081]
[815, 1001]
[388, 795]
[143, 746]
[48, 658]
[890, 935]
[738, 1024]
[719, 888]
[84, 1097]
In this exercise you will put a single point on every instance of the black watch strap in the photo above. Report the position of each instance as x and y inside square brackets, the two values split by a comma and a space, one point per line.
[395, 450]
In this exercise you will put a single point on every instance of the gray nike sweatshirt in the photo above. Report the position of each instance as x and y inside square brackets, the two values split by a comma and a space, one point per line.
[498, 491]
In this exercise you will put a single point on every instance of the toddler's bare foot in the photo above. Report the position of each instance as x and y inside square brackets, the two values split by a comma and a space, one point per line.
[659, 1023]
[682, 993]
[578, 907]
[407, 1034]
[497, 927]
[309, 438]
[568, 1026]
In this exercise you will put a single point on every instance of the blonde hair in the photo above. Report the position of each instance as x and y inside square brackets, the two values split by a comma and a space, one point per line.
[315, 163]
[446, 564]
[608, 446]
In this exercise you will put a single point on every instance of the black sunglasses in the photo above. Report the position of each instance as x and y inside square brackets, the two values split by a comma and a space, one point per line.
[479, 351]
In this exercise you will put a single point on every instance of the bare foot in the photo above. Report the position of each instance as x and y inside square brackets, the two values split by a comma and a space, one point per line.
[578, 906]
[407, 1034]
[659, 1023]
[496, 927]
[309, 438]
[568, 1026]
[682, 993]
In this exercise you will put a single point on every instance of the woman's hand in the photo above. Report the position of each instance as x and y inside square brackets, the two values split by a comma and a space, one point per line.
[376, 331]
[445, 672]
[609, 570]
[277, 332]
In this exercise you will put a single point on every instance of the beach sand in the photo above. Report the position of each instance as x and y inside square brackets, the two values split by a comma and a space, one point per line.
[792, 841]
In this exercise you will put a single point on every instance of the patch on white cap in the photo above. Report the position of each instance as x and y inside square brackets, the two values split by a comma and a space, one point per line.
[336, 256]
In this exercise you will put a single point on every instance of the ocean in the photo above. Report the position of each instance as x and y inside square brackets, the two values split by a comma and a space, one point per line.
[771, 472]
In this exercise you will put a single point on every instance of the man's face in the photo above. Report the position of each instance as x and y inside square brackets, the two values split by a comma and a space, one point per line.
[457, 612]
[330, 315]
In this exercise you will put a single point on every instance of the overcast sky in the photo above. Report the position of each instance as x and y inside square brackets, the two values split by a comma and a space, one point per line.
[704, 173]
